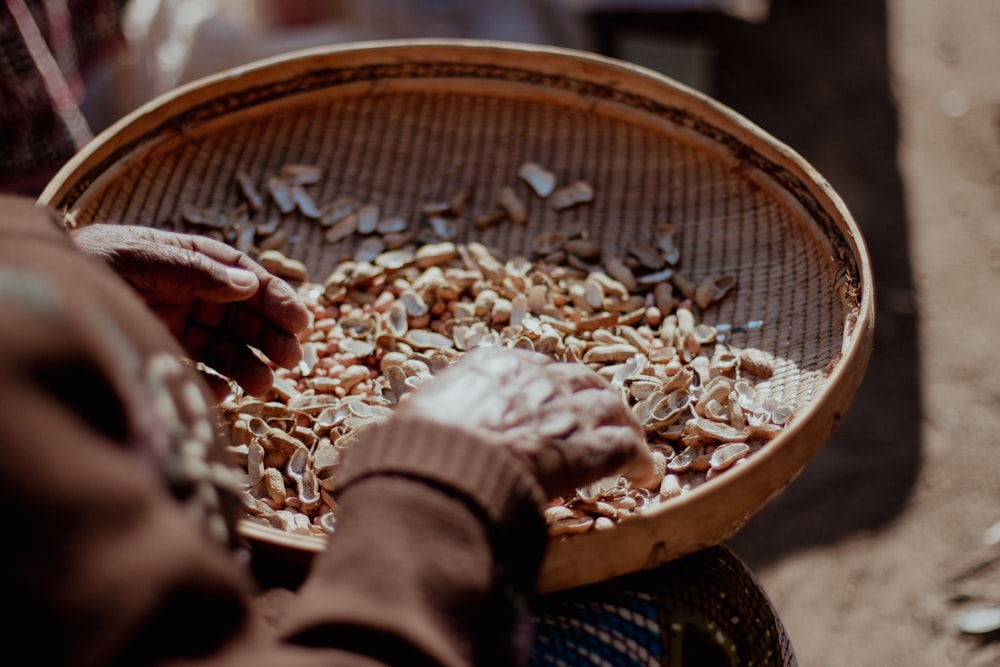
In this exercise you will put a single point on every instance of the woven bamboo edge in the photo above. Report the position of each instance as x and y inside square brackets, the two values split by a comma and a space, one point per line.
[672, 529]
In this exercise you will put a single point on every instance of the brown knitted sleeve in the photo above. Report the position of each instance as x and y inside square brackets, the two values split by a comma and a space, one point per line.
[116, 503]
[111, 557]
[439, 537]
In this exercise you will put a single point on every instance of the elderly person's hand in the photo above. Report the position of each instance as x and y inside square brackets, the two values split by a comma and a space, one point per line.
[215, 300]
[563, 419]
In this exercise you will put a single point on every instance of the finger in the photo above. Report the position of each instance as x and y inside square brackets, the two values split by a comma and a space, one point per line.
[597, 406]
[240, 322]
[278, 345]
[573, 377]
[279, 304]
[482, 372]
[584, 457]
[611, 450]
[217, 250]
[640, 469]
[226, 353]
[460, 394]
[174, 272]
[527, 399]
[275, 299]
[245, 369]
[229, 357]
[503, 364]
[218, 385]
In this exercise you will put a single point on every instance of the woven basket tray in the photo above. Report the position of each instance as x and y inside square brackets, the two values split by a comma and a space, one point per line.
[405, 123]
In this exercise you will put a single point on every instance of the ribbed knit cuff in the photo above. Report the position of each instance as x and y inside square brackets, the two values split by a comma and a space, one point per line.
[492, 480]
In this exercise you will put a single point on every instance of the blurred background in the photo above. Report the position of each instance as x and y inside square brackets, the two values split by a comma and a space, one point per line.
[886, 549]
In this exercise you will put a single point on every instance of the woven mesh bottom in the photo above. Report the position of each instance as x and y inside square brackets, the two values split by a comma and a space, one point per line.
[405, 150]
[404, 125]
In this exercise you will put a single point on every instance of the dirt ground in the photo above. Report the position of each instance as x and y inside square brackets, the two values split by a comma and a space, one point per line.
[874, 549]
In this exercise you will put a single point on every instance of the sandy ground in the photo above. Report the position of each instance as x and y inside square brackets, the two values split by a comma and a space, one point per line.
[872, 551]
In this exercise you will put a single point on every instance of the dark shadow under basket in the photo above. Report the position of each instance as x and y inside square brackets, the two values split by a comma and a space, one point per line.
[403, 123]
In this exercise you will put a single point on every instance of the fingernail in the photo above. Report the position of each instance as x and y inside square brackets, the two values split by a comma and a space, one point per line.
[241, 277]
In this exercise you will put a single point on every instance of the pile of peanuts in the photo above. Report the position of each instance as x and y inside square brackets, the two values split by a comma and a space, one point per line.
[404, 307]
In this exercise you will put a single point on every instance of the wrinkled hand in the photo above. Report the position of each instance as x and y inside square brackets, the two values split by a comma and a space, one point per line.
[215, 300]
[562, 418]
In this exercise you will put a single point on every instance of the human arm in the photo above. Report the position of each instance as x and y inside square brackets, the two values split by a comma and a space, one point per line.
[439, 533]
[108, 482]
[95, 414]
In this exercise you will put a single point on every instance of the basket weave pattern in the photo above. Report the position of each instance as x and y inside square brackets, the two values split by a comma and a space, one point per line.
[402, 132]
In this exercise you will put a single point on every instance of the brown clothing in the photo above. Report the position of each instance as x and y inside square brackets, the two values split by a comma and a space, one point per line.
[47, 50]
[119, 504]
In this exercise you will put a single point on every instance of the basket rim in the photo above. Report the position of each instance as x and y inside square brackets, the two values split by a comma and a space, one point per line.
[128, 137]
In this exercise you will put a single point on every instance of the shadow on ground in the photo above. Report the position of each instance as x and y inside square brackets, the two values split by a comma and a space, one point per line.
[816, 76]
